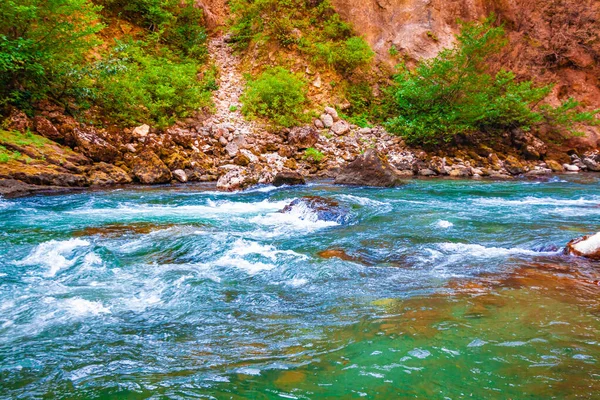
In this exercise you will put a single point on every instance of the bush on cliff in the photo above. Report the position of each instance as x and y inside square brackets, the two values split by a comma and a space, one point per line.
[277, 95]
[455, 94]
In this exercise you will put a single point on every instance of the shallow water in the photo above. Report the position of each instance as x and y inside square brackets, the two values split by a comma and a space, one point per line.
[438, 289]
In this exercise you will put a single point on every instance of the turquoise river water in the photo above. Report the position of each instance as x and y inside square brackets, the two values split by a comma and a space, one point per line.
[438, 289]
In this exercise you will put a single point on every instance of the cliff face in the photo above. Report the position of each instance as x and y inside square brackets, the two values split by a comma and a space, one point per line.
[550, 41]
[215, 12]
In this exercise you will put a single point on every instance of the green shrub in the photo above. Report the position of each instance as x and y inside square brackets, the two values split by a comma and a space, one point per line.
[277, 95]
[313, 155]
[135, 86]
[453, 94]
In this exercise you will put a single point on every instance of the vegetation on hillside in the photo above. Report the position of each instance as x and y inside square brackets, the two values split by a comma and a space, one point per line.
[455, 94]
[54, 49]
[312, 28]
[277, 95]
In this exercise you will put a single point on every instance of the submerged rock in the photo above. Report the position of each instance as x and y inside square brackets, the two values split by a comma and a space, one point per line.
[288, 178]
[325, 209]
[369, 170]
[587, 246]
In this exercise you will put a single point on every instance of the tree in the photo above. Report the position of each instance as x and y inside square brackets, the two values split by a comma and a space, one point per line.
[41, 43]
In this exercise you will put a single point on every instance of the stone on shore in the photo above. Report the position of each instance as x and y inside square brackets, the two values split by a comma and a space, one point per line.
[149, 169]
[236, 179]
[180, 175]
[289, 178]
[369, 169]
[303, 137]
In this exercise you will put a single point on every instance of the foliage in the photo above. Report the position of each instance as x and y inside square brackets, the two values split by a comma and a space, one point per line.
[8, 155]
[24, 139]
[454, 94]
[49, 49]
[310, 27]
[178, 24]
[277, 95]
[134, 85]
[41, 42]
[313, 155]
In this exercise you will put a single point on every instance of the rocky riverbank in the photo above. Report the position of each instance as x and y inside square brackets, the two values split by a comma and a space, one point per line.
[238, 155]
[55, 150]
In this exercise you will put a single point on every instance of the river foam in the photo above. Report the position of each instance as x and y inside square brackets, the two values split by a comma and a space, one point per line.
[54, 254]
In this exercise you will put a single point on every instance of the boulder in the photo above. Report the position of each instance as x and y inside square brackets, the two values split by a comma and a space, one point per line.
[427, 172]
[571, 168]
[15, 188]
[141, 131]
[340, 128]
[332, 111]
[460, 171]
[288, 178]
[514, 166]
[18, 121]
[46, 129]
[592, 163]
[149, 169]
[88, 142]
[554, 166]
[180, 175]
[327, 120]
[303, 137]
[369, 170]
[232, 149]
[236, 179]
[102, 174]
[49, 178]
[587, 246]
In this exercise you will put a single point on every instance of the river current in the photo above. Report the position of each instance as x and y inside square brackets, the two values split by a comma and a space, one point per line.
[439, 289]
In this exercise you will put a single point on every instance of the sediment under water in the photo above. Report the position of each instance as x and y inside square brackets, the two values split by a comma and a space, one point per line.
[437, 289]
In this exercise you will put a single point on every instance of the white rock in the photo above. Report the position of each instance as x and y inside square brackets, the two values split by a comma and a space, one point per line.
[250, 155]
[332, 111]
[236, 179]
[588, 246]
[327, 120]
[317, 82]
[571, 168]
[340, 128]
[141, 131]
[232, 149]
[180, 175]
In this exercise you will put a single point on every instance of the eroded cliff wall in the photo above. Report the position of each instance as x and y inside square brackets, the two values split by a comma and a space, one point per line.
[550, 40]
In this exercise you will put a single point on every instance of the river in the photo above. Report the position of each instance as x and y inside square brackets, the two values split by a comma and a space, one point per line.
[439, 289]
